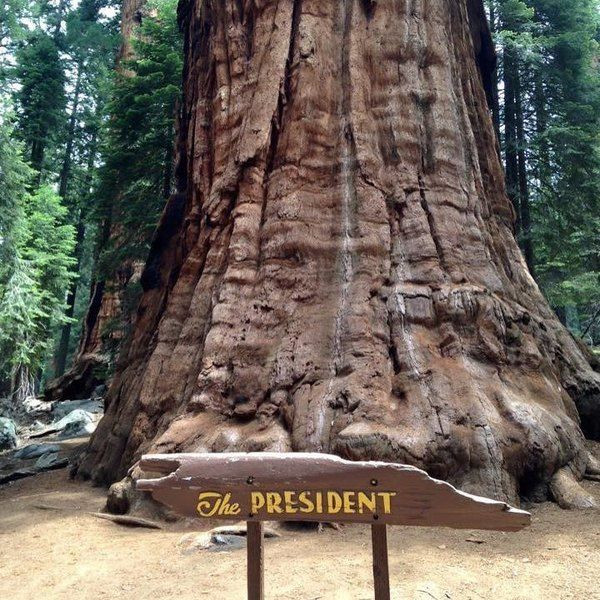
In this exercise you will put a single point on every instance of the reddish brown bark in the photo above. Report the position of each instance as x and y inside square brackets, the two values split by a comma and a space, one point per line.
[131, 16]
[338, 272]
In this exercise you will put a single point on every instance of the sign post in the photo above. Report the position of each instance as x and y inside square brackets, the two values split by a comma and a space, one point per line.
[256, 554]
[259, 487]
[381, 574]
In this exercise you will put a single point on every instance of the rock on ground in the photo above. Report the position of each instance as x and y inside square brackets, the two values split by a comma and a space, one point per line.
[50, 461]
[220, 539]
[62, 409]
[35, 451]
[8, 434]
[78, 423]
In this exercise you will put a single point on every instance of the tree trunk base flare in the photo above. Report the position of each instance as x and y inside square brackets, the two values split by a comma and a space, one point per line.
[593, 466]
[338, 271]
[120, 497]
[124, 498]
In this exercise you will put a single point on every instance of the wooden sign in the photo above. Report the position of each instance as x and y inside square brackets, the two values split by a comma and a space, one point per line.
[260, 487]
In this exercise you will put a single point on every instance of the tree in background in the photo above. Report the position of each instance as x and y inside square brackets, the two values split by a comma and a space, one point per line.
[36, 246]
[89, 43]
[568, 153]
[15, 175]
[56, 64]
[134, 181]
[41, 96]
[137, 175]
[12, 30]
[136, 178]
[548, 115]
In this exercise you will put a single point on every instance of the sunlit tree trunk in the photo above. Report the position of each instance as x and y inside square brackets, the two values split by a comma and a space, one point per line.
[22, 385]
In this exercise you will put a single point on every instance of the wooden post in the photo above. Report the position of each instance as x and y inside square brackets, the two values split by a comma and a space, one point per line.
[381, 573]
[255, 552]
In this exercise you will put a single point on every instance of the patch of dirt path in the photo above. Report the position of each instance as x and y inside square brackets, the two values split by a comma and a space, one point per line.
[51, 547]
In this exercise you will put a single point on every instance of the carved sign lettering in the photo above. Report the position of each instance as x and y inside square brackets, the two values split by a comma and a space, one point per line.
[317, 487]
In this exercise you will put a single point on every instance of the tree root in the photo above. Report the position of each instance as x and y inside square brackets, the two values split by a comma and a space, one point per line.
[593, 466]
[120, 494]
[128, 521]
[568, 492]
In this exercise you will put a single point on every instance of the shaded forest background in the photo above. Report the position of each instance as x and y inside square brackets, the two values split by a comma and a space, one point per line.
[87, 131]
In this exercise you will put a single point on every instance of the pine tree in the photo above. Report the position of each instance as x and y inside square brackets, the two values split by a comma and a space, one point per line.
[568, 145]
[15, 175]
[137, 175]
[550, 130]
[12, 30]
[41, 96]
[36, 246]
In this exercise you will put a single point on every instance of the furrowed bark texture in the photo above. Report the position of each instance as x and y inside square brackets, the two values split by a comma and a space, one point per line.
[338, 272]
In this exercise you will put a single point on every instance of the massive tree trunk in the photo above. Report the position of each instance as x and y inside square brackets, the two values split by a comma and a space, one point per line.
[338, 271]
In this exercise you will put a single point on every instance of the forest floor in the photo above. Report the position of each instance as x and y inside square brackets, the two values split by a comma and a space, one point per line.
[52, 547]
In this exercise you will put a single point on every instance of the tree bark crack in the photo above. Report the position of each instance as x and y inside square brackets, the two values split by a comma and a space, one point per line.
[435, 236]
[277, 122]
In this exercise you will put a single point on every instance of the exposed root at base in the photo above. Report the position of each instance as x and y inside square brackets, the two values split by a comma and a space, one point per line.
[568, 492]
[334, 526]
[593, 466]
[128, 521]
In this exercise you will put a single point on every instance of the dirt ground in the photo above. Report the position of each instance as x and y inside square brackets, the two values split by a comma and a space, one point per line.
[52, 548]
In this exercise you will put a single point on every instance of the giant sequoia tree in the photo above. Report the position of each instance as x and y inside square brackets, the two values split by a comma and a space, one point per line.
[338, 271]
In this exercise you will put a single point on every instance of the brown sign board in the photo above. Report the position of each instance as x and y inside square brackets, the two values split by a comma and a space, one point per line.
[318, 488]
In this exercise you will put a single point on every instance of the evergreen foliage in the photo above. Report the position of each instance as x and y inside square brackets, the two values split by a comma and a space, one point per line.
[136, 178]
[37, 247]
[14, 177]
[41, 95]
[549, 86]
